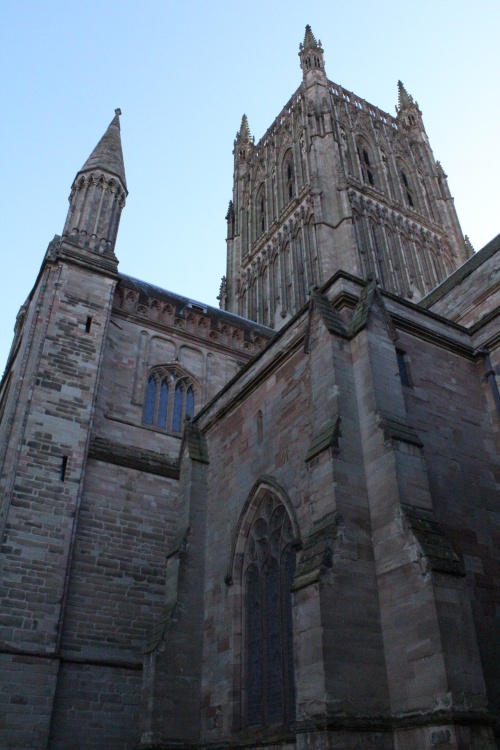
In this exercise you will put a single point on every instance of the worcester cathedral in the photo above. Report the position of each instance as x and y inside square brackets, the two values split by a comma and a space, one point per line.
[273, 524]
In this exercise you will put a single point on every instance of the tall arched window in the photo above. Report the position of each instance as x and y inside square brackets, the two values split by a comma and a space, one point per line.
[276, 286]
[170, 398]
[288, 178]
[287, 296]
[407, 187]
[253, 300]
[377, 254]
[301, 268]
[268, 569]
[367, 162]
[260, 211]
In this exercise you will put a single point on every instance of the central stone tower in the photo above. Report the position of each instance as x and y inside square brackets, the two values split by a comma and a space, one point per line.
[335, 184]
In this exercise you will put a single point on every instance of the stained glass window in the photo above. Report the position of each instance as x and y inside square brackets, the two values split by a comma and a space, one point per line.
[163, 406]
[177, 415]
[268, 574]
[170, 398]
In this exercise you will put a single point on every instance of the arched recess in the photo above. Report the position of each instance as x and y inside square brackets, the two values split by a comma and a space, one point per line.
[408, 188]
[366, 161]
[287, 177]
[260, 573]
[260, 211]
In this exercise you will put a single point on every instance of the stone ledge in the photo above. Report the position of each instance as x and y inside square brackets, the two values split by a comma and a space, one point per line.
[139, 459]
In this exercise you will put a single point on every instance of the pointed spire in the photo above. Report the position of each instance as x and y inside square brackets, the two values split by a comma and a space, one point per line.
[98, 196]
[404, 98]
[310, 40]
[108, 154]
[243, 135]
[311, 58]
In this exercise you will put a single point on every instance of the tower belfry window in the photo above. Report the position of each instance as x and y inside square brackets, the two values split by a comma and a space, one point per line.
[366, 164]
[407, 188]
[260, 219]
[368, 170]
[289, 179]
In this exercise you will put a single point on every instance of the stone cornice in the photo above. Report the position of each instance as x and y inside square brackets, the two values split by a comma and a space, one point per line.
[102, 449]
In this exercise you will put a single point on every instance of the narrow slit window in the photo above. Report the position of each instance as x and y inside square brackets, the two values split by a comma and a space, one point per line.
[88, 324]
[62, 470]
[404, 372]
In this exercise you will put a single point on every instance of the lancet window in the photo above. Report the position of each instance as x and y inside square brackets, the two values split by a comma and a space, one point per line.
[407, 185]
[407, 188]
[288, 177]
[260, 210]
[366, 162]
[268, 569]
[170, 399]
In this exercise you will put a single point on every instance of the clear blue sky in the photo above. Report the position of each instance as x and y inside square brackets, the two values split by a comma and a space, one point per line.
[183, 74]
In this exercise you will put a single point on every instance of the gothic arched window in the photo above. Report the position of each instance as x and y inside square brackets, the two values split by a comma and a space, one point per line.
[260, 209]
[268, 569]
[407, 189]
[366, 162]
[288, 178]
[407, 185]
[170, 398]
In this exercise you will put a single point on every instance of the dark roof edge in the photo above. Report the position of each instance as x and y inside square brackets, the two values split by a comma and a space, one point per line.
[151, 290]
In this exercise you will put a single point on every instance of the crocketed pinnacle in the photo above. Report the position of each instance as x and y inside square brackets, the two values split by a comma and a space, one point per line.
[243, 136]
[108, 154]
[310, 40]
[440, 171]
[404, 98]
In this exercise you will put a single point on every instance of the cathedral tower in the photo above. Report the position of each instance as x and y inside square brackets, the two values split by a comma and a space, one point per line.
[336, 184]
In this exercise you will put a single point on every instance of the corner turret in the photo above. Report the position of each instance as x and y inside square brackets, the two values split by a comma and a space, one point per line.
[98, 195]
[407, 110]
[311, 59]
[244, 142]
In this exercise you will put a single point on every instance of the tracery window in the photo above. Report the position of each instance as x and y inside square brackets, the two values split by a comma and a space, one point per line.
[268, 569]
[407, 188]
[366, 163]
[170, 398]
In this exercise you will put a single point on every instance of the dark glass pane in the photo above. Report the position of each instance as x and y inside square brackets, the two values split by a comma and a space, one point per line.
[177, 415]
[403, 370]
[149, 408]
[163, 406]
[273, 644]
[190, 402]
[254, 647]
[288, 571]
